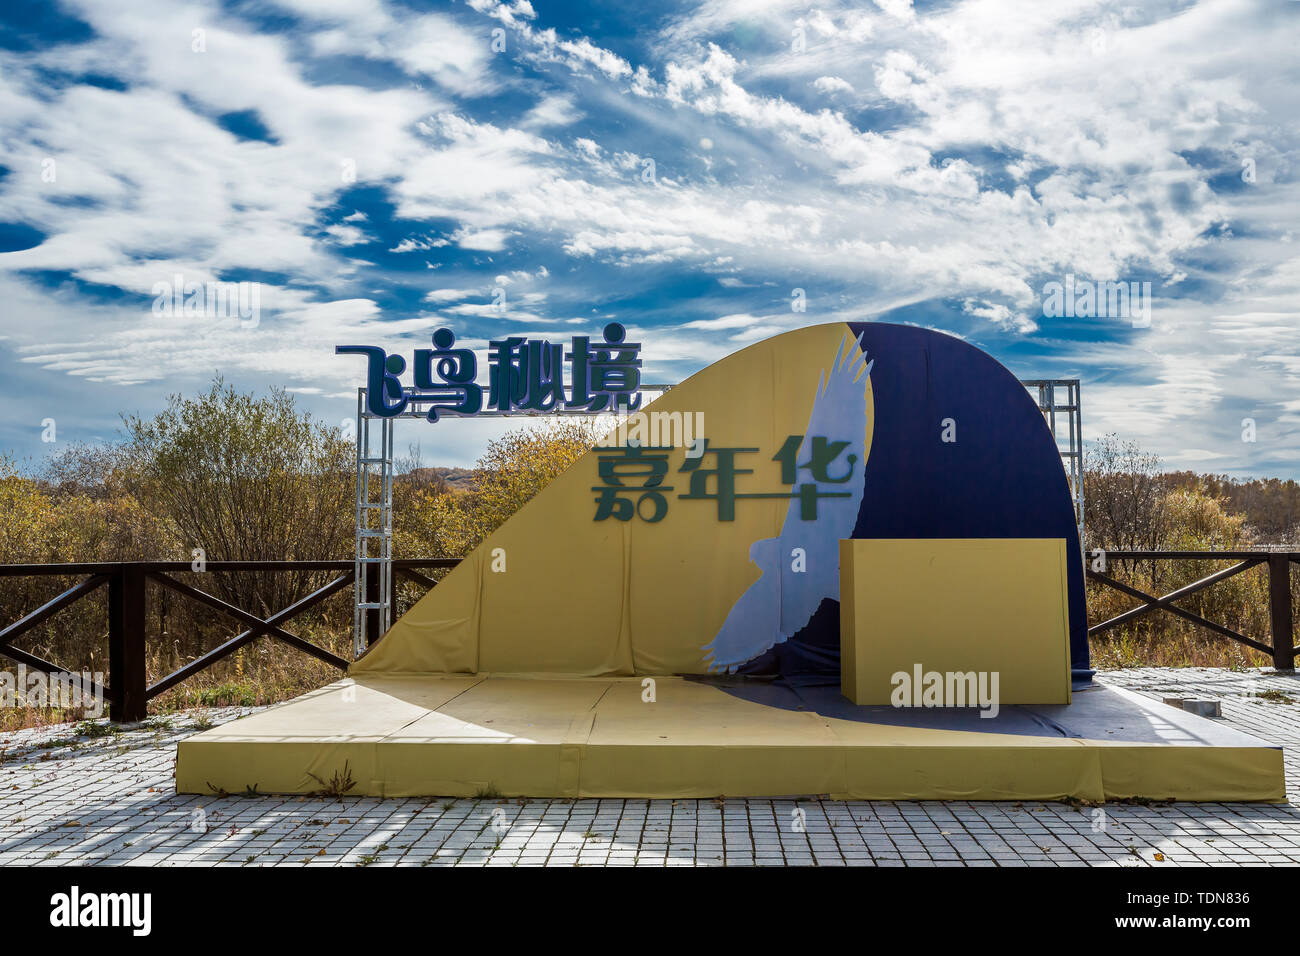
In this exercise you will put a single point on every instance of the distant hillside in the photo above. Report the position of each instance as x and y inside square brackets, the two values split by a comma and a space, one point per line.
[446, 479]
[1271, 505]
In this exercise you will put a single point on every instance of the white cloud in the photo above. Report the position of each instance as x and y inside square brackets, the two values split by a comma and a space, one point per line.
[487, 240]
[990, 144]
[346, 234]
[832, 84]
[584, 51]
[738, 321]
[431, 45]
[412, 244]
[449, 295]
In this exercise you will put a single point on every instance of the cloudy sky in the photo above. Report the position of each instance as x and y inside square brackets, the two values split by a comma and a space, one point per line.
[379, 168]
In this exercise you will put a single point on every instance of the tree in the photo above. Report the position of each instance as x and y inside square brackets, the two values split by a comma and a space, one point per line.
[1271, 505]
[1122, 494]
[26, 533]
[246, 478]
[514, 468]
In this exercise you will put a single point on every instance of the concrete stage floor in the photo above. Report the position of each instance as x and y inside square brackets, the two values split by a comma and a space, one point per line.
[481, 735]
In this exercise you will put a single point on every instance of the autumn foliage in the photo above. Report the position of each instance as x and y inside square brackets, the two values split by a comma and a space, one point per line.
[238, 476]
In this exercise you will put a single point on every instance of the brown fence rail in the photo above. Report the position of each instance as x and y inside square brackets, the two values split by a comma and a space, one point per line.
[128, 691]
[1282, 646]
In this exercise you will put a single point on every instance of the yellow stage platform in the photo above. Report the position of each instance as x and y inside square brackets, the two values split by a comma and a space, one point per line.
[462, 735]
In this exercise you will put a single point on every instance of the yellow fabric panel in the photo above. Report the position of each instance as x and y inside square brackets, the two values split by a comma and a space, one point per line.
[587, 598]
[442, 637]
[273, 766]
[279, 749]
[686, 713]
[547, 737]
[506, 735]
[971, 773]
[887, 762]
[509, 711]
[1191, 772]
[956, 605]
[703, 771]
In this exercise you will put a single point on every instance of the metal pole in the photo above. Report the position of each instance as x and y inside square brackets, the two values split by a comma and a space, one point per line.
[373, 567]
[358, 568]
[384, 597]
[1076, 442]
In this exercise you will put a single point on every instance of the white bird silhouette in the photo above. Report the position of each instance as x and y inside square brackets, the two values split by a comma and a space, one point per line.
[783, 600]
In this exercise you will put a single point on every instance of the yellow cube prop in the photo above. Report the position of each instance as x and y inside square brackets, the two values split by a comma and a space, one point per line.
[911, 609]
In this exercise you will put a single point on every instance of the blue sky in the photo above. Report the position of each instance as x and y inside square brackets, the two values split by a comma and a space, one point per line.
[379, 168]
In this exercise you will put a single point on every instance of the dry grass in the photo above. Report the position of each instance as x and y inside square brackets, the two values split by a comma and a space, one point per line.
[264, 672]
[1185, 649]
[1159, 639]
[267, 671]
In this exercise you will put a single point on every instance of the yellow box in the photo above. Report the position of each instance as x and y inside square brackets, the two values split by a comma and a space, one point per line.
[954, 606]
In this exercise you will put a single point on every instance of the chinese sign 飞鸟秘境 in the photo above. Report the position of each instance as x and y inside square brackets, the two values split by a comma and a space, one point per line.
[523, 375]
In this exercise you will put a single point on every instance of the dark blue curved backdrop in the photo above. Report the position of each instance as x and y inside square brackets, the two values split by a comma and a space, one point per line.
[1001, 478]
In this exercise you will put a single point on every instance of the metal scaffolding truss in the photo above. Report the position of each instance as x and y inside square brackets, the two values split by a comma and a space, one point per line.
[374, 538]
[1058, 400]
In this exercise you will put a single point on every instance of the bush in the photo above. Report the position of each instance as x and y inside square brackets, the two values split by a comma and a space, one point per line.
[1131, 505]
[514, 468]
[244, 477]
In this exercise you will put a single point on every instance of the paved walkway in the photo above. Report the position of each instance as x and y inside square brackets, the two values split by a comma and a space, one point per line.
[108, 799]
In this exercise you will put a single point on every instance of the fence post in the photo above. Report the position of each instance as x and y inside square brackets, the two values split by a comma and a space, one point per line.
[1279, 599]
[372, 594]
[392, 596]
[126, 650]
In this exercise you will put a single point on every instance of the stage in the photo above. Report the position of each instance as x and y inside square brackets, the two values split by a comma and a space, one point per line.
[548, 736]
